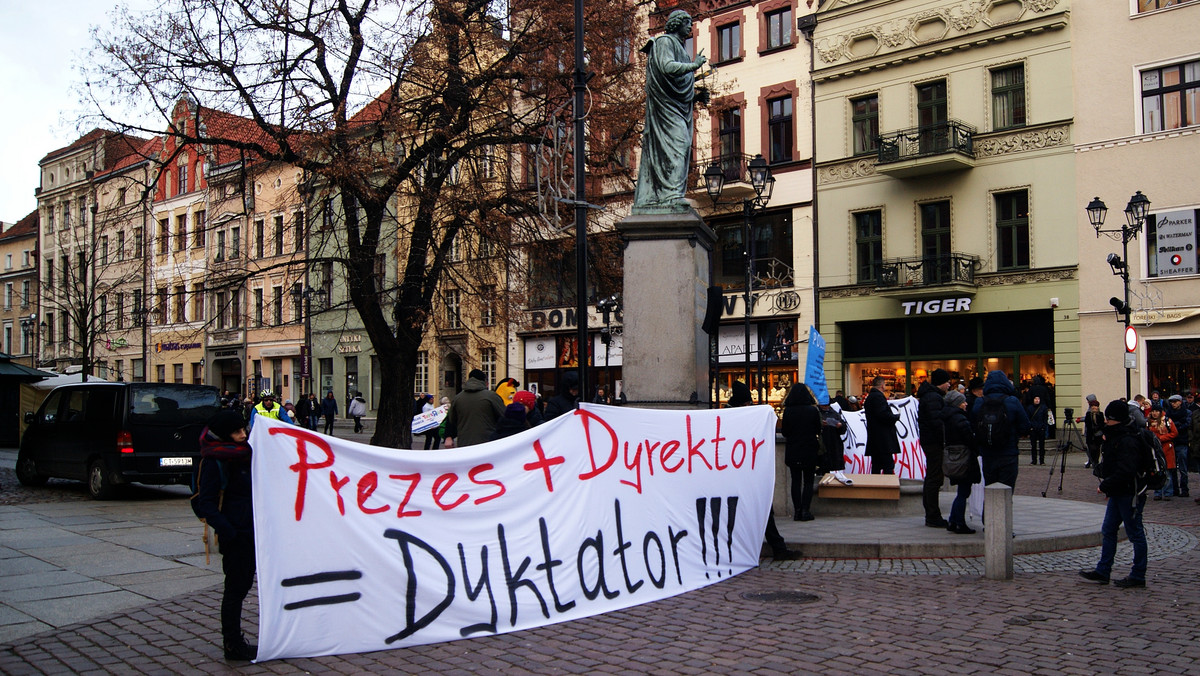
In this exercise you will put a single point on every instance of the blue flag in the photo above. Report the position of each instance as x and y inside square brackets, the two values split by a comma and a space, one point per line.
[814, 367]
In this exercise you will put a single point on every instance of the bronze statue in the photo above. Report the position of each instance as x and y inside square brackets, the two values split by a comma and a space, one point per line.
[667, 138]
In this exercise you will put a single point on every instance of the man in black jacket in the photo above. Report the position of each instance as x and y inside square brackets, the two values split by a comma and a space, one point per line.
[882, 443]
[930, 402]
[1118, 480]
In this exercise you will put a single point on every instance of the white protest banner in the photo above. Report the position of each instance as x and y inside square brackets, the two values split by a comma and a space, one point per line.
[363, 548]
[910, 464]
[423, 422]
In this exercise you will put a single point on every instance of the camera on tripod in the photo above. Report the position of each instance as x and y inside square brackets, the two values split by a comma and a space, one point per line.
[1068, 413]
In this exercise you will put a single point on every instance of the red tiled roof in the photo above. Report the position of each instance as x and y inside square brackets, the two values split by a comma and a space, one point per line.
[93, 135]
[139, 152]
[222, 125]
[116, 146]
[23, 228]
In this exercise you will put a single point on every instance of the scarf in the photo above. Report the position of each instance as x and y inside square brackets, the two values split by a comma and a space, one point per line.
[212, 446]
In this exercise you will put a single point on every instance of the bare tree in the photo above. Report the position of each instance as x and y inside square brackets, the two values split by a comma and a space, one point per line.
[417, 124]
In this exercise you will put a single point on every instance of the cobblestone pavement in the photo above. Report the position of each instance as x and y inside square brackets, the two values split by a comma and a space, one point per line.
[937, 617]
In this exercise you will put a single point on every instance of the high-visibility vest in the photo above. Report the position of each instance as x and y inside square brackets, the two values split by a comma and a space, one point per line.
[273, 413]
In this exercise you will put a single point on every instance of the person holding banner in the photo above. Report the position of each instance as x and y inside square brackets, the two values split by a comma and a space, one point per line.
[802, 429]
[223, 501]
[882, 443]
[741, 396]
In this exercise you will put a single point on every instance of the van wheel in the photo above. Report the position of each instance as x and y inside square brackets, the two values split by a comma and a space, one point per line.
[27, 472]
[99, 485]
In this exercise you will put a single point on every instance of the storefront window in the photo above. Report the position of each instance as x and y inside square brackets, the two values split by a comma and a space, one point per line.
[1174, 365]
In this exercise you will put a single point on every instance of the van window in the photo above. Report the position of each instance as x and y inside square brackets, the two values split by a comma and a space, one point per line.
[173, 405]
[76, 401]
[50, 408]
[101, 406]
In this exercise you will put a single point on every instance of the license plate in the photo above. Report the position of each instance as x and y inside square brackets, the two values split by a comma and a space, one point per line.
[174, 462]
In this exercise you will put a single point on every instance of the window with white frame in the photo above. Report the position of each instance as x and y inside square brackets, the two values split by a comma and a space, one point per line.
[487, 311]
[1151, 5]
[453, 298]
[487, 364]
[421, 378]
[1171, 97]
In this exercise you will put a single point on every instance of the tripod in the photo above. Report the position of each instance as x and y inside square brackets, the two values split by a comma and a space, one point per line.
[1071, 438]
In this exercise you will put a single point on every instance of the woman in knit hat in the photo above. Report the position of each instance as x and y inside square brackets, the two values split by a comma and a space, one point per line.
[223, 501]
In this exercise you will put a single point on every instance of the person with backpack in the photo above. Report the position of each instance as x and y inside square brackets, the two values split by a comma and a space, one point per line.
[357, 409]
[222, 500]
[1120, 461]
[801, 429]
[999, 419]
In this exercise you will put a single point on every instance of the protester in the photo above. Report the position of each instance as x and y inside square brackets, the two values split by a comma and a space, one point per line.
[779, 551]
[930, 402]
[314, 411]
[998, 446]
[1164, 429]
[223, 501]
[801, 430]
[958, 432]
[564, 401]
[529, 400]
[474, 412]
[304, 412]
[974, 391]
[512, 422]
[1093, 430]
[1037, 412]
[329, 408]
[433, 437]
[357, 409]
[833, 426]
[1181, 417]
[1126, 500]
[882, 443]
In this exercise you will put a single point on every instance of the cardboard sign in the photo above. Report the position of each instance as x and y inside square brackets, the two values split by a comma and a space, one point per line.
[363, 548]
[423, 422]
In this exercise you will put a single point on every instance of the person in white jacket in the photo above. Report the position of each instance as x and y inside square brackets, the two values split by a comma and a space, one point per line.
[357, 409]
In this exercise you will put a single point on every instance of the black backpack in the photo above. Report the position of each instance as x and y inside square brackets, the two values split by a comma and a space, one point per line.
[992, 429]
[1152, 462]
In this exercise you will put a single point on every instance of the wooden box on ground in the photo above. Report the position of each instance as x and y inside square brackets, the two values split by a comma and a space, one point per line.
[865, 487]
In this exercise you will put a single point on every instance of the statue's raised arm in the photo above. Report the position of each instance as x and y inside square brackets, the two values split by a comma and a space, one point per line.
[667, 138]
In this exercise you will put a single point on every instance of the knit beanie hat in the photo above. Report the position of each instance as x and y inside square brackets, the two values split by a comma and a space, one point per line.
[525, 398]
[225, 423]
[515, 412]
[939, 377]
[954, 398]
[1117, 410]
[741, 394]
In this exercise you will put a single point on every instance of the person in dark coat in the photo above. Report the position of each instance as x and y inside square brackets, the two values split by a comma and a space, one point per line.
[833, 426]
[958, 432]
[1126, 500]
[223, 501]
[329, 408]
[512, 422]
[1037, 412]
[974, 391]
[475, 411]
[1093, 430]
[779, 550]
[528, 399]
[564, 401]
[883, 445]
[930, 402]
[1001, 464]
[303, 410]
[802, 430]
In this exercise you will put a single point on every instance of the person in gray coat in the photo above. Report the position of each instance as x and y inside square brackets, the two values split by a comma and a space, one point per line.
[474, 412]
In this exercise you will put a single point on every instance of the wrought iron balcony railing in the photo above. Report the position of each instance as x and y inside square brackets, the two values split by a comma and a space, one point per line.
[951, 136]
[924, 271]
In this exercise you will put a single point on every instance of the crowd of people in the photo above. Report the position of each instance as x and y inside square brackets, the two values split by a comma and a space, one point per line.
[308, 413]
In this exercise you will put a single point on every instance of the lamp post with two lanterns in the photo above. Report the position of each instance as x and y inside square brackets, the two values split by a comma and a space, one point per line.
[763, 183]
[1135, 216]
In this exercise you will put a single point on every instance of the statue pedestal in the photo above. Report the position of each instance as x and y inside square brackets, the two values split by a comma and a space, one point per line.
[665, 350]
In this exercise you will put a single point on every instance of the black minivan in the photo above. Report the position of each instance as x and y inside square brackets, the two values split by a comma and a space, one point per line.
[114, 433]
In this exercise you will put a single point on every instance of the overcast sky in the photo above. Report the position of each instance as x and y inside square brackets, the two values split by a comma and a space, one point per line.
[41, 42]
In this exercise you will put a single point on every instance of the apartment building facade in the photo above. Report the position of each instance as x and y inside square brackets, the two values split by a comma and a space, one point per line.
[1137, 90]
[946, 174]
[19, 289]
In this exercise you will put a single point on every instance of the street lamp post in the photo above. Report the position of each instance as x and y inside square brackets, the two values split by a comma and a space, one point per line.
[763, 182]
[29, 332]
[606, 308]
[1135, 216]
[305, 296]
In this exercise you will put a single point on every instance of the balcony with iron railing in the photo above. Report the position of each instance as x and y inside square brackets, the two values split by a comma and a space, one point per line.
[918, 275]
[942, 147]
[734, 167]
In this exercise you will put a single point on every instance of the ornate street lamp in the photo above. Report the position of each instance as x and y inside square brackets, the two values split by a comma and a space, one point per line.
[760, 178]
[1135, 216]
